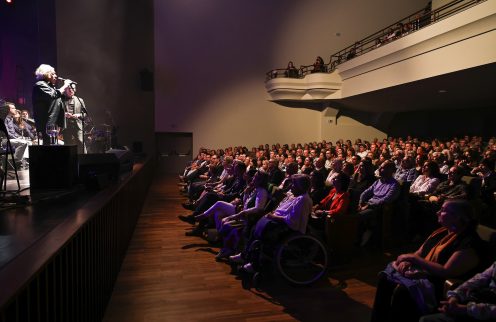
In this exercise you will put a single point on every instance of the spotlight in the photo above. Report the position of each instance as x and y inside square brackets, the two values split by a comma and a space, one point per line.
[8, 1]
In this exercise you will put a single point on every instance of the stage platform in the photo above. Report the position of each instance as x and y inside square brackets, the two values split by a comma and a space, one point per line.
[28, 215]
[61, 249]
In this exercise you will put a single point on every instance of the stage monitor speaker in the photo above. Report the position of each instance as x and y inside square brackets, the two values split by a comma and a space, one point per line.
[125, 157]
[52, 167]
[97, 170]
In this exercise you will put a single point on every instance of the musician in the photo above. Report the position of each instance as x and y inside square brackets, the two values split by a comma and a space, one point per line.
[25, 115]
[18, 142]
[74, 112]
[24, 128]
[46, 109]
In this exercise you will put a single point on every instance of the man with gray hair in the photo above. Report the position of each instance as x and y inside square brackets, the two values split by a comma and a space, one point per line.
[46, 109]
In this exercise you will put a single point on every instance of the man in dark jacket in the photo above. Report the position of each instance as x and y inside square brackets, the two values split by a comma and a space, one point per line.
[46, 109]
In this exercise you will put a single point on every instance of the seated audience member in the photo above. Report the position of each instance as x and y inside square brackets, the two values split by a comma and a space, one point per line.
[413, 284]
[214, 170]
[406, 173]
[362, 151]
[228, 194]
[328, 160]
[334, 204]
[428, 181]
[453, 188]
[231, 228]
[348, 169]
[485, 171]
[417, 224]
[275, 174]
[307, 167]
[291, 169]
[384, 190]
[318, 188]
[319, 66]
[355, 161]
[25, 115]
[290, 215]
[23, 128]
[441, 159]
[291, 71]
[21, 153]
[225, 179]
[264, 166]
[197, 168]
[419, 162]
[360, 181]
[336, 167]
[320, 167]
[474, 300]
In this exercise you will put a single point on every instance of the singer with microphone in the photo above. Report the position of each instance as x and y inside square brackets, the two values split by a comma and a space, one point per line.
[75, 111]
[46, 107]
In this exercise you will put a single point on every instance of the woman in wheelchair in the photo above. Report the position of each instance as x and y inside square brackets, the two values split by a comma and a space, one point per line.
[290, 216]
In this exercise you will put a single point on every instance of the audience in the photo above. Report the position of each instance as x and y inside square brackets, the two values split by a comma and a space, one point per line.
[335, 203]
[291, 71]
[383, 191]
[474, 300]
[433, 200]
[413, 284]
[319, 66]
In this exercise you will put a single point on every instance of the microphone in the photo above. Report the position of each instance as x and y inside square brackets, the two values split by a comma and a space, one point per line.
[64, 79]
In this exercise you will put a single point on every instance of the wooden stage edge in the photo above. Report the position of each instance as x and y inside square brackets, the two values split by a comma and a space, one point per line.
[68, 273]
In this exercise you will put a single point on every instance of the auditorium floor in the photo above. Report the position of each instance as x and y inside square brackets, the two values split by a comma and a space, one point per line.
[167, 276]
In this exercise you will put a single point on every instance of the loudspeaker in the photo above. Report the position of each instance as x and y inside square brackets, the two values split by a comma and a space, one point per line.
[125, 157]
[52, 167]
[98, 170]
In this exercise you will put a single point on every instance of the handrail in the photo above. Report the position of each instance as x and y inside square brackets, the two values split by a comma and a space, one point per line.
[397, 30]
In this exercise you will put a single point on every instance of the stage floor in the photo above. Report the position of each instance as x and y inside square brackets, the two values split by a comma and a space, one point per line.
[28, 215]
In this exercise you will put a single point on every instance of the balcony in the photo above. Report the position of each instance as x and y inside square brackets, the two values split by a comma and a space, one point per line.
[456, 39]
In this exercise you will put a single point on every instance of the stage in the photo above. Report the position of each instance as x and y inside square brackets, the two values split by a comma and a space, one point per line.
[27, 216]
[61, 249]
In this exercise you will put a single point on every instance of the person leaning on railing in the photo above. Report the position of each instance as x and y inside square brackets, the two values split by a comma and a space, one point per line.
[318, 66]
[291, 71]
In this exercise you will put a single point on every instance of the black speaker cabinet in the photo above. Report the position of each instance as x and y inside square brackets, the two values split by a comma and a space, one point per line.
[52, 167]
[98, 170]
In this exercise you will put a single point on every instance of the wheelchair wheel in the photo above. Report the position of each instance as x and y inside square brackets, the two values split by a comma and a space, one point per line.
[301, 259]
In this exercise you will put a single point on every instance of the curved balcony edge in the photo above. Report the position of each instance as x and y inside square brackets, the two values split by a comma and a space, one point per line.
[312, 87]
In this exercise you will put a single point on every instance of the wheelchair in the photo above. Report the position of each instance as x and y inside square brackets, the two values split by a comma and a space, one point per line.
[301, 259]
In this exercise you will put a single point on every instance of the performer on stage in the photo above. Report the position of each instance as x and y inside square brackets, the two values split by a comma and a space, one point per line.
[46, 109]
[74, 112]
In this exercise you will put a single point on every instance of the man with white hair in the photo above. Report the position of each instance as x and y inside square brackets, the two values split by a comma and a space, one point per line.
[45, 95]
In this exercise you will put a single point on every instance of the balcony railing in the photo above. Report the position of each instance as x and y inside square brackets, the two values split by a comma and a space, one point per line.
[397, 30]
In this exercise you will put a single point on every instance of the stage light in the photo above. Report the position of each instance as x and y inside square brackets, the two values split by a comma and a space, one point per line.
[9, 1]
